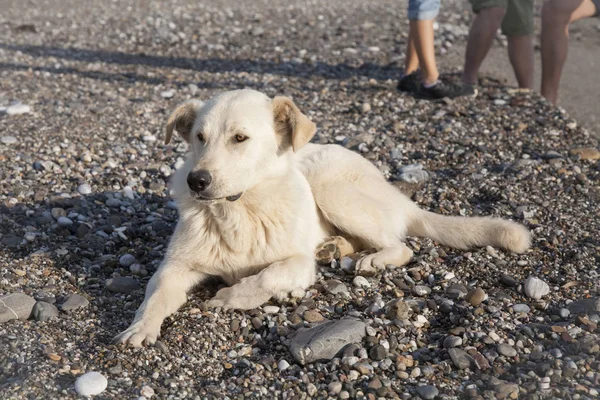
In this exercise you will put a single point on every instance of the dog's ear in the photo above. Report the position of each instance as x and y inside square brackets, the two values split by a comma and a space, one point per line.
[291, 123]
[182, 120]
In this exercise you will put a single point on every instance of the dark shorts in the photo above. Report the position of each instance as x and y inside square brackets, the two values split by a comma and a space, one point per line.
[518, 20]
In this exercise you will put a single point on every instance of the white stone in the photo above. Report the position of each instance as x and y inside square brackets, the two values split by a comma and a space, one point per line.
[91, 384]
[84, 189]
[536, 288]
[18, 108]
[149, 138]
[361, 281]
[167, 94]
[271, 309]
[283, 365]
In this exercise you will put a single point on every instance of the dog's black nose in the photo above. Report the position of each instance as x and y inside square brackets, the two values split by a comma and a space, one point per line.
[199, 180]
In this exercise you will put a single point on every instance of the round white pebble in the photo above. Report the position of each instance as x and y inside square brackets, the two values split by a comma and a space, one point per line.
[90, 384]
[84, 189]
[361, 281]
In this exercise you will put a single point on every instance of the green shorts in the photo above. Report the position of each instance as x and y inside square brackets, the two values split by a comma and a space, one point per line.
[518, 20]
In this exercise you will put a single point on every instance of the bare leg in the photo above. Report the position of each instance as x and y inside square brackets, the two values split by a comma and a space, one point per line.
[520, 53]
[556, 16]
[481, 36]
[421, 31]
[277, 280]
[166, 292]
[411, 63]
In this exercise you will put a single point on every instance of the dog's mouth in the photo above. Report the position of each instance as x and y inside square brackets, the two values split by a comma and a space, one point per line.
[216, 199]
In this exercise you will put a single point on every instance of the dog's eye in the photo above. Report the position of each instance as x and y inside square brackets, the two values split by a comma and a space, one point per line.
[240, 138]
[201, 137]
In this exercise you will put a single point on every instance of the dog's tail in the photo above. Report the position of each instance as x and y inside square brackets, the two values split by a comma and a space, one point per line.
[468, 232]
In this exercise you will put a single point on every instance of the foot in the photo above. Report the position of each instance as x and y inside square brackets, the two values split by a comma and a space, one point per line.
[140, 332]
[443, 88]
[373, 263]
[410, 83]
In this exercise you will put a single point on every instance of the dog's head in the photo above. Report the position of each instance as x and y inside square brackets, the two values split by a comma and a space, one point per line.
[238, 139]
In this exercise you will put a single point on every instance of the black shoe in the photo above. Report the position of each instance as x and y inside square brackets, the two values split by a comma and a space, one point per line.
[410, 83]
[446, 89]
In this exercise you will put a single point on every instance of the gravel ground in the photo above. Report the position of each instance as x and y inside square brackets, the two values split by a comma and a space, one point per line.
[85, 216]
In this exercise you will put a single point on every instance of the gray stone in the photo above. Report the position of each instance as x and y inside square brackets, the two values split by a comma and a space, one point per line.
[460, 358]
[508, 280]
[585, 306]
[506, 350]
[8, 140]
[74, 302]
[126, 260]
[377, 352]
[122, 284]
[324, 341]
[427, 391]
[421, 290]
[43, 311]
[334, 286]
[452, 341]
[64, 221]
[521, 308]
[91, 384]
[535, 288]
[15, 306]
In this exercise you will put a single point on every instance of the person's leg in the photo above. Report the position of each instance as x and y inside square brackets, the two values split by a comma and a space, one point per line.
[422, 32]
[481, 35]
[411, 63]
[421, 50]
[517, 25]
[556, 16]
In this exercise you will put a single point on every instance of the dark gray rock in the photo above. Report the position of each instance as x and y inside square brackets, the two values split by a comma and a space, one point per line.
[427, 392]
[460, 358]
[15, 306]
[43, 311]
[122, 284]
[585, 306]
[325, 341]
[506, 350]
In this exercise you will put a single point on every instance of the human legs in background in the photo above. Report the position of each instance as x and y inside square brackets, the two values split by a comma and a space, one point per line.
[420, 50]
[516, 19]
[556, 17]
[421, 75]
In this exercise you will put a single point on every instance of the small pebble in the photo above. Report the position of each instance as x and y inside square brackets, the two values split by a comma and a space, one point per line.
[91, 384]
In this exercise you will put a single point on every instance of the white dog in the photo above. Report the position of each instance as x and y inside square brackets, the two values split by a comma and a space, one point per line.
[256, 199]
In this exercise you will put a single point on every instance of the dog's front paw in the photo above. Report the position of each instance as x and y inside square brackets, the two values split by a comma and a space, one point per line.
[138, 333]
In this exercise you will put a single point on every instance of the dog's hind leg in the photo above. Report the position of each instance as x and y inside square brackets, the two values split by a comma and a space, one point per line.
[165, 293]
[378, 223]
[277, 280]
